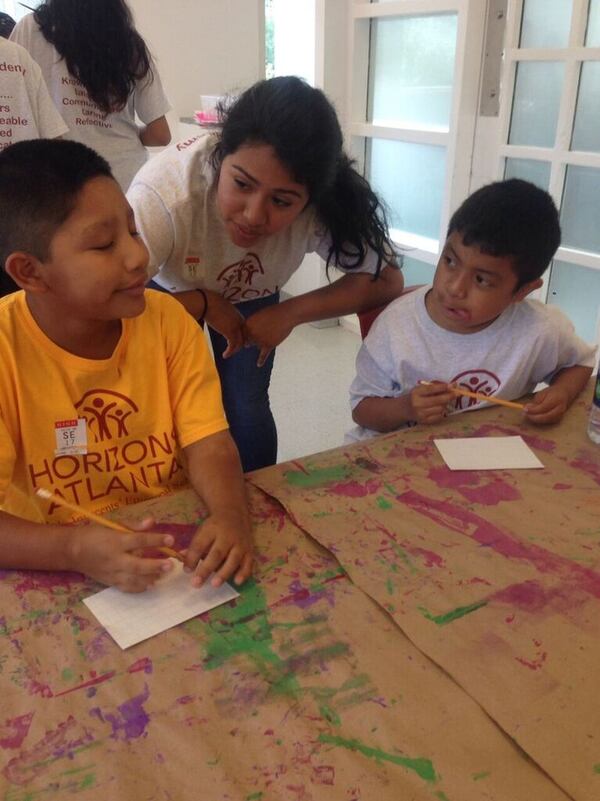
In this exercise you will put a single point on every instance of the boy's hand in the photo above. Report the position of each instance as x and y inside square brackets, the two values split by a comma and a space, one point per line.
[548, 405]
[224, 544]
[430, 402]
[110, 557]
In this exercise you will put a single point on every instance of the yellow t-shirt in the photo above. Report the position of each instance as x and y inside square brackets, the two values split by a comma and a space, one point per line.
[101, 433]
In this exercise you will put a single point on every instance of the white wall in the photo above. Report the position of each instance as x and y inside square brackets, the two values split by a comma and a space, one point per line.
[203, 47]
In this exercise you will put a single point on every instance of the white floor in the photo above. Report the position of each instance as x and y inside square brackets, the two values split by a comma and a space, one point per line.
[309, 389]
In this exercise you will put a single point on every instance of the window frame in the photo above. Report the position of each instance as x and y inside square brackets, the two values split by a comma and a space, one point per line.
[458, 141]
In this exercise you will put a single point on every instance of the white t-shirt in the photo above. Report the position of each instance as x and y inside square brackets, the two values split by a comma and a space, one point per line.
[115, 136]
[526, 345]
[173, 198]
[26, 109]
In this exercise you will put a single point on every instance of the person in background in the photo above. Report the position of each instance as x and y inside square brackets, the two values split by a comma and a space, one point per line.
[229, 216]
[7, 24]
[474, 327]
[26, 109]
[101, 77]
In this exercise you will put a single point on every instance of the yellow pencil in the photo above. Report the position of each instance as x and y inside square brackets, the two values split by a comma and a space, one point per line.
[44, 493]
[480, 396]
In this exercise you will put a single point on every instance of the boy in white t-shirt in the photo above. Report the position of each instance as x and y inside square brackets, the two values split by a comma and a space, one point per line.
[473, 327]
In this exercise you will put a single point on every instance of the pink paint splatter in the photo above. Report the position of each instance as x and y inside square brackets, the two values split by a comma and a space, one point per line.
[469, 485]
[14, 731]
[303, 597]
[46, 581]
[591, 468]
[354, 489]
[491, 536]
[414, 453]
[531, 596]
[546, 445]
[145, 664]
[560, 486]
[90, 683]
[537, 662]
[431, 559]
[62, 742]
[324, 774]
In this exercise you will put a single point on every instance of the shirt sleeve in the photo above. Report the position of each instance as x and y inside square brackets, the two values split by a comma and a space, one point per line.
[8, 459]
[153, 222]
[194, 384]
[571, 349]
[373, 379]
[150, 99]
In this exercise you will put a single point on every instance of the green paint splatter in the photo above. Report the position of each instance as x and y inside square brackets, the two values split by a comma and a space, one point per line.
[455, 614]
[442, 796]
[254, 797]
[67, 674]
[390, 586]
[319, 581]
[330, 714]
[404, 557]
[383, 503]
[597, 767]
[483, 775]
[245, 629]
[277, 563]
[422, 767]
[314, 478]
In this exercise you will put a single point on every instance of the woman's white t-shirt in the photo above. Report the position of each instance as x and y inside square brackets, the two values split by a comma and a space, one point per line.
[115, 136]
[173, 199]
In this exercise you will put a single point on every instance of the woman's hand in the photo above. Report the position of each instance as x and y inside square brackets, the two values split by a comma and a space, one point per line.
[223, 316]
[267, 328]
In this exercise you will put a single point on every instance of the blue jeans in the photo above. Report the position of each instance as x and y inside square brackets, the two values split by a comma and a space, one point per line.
[245, 392]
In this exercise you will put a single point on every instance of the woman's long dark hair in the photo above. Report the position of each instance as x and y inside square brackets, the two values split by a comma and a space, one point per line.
[100, 46]
[301, 126]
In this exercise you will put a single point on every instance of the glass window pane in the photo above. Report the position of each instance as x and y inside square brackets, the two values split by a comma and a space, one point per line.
[410, 180]
[576, 291]
[538, 172]
[416, 272]
[535, 105]
[586, 132]
[545, 23]
[412, 70]
[579, 213]
[592, 38]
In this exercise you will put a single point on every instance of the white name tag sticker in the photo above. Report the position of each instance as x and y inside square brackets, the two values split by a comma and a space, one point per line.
[71, 436]
[192, 268]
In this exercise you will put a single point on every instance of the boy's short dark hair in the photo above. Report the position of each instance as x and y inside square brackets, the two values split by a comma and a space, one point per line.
[511, 218]
[40, 180]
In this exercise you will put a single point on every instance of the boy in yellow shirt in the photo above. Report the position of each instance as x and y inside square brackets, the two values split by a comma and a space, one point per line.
[105, 385]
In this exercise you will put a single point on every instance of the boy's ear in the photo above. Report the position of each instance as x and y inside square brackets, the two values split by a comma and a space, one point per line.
[25, 270]
[526, 289]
